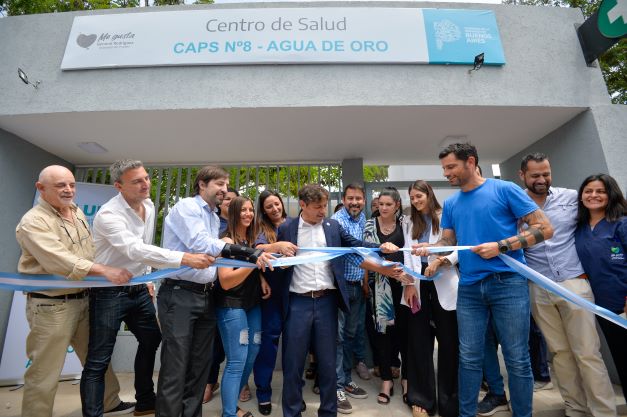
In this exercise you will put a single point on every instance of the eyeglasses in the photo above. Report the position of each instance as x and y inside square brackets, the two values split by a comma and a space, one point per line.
[78, 234]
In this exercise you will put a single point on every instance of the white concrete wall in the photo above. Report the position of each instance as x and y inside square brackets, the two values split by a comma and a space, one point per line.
[545, 67]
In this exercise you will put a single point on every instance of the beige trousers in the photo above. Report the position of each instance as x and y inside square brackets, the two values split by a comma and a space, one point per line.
[55, 325]
[571, 336]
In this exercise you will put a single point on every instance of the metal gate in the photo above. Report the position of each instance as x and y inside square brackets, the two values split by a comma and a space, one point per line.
[170, 183]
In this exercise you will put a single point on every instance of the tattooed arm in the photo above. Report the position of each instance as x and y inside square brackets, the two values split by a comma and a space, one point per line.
[539, 229]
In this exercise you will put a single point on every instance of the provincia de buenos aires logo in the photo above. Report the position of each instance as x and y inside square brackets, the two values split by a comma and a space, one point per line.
[106, 40]
[447, 31]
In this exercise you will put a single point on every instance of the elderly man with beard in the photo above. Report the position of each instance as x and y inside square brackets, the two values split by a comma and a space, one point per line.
[351, 325]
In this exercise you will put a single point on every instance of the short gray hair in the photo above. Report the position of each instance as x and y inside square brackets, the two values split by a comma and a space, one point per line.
[118, 168]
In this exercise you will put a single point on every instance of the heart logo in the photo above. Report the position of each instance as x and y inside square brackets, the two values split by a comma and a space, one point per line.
[85, 41]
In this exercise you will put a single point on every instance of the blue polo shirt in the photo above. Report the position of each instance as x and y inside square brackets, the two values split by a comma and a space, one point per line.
[602, 253]
[488, 213]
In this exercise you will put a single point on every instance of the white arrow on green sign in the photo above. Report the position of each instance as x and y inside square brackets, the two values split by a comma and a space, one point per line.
[613, 18]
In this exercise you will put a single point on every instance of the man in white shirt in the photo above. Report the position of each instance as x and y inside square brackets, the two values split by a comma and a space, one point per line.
[312, 293]
[123, 233]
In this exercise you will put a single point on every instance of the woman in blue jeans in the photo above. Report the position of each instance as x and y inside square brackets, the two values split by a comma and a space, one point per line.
[237, 308]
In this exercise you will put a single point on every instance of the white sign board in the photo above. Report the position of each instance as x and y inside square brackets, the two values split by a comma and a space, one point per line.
[297, 35]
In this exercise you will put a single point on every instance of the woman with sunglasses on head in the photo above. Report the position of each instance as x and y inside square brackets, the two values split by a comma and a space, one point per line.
[601, 242]
[238, 311]
[270, 215]
[430, 302]
[389, 317]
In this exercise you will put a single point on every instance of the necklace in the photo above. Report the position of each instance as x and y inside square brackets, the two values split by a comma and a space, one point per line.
[386, 230]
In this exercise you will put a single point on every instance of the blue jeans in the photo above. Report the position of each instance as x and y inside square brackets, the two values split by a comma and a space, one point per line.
[491, 367]
[271, 329]
[538, 353]
[505, 298]
[108, 307]
[350, 335]
[241, 336]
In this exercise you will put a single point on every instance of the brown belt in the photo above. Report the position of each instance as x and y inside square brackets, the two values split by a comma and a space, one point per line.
[315, 294]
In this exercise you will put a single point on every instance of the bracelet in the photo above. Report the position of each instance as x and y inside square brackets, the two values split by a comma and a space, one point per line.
[443, 260]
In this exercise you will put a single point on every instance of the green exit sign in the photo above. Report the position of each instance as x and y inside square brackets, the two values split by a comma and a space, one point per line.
[613, 18]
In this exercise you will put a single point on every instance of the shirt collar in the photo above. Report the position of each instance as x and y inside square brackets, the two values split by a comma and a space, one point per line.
[348, 216]
[147, 203]
[203, 204]
[51, 209]
[303, 224]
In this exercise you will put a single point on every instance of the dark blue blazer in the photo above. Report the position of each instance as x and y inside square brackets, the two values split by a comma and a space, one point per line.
[336, 236]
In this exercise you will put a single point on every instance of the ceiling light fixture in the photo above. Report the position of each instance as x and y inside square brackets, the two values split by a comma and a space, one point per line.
[92, 147]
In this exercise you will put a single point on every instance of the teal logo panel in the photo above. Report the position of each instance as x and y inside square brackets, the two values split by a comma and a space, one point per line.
[457, 36]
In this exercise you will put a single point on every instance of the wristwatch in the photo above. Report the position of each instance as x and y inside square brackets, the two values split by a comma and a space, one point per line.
[503, 246]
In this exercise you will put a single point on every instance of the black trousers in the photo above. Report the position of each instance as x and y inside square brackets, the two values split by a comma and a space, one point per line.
[616, 338]
[188, 327]
[217, 357]
[421, 381]
[394, 340]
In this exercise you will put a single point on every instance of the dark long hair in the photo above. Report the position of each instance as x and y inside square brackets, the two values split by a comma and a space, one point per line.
[264, 224]
[235, 210]
[418, 222]
[616, 204]
[393, 193]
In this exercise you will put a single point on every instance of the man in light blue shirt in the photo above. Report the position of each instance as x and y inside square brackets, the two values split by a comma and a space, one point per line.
[185, 302]
[569, 330]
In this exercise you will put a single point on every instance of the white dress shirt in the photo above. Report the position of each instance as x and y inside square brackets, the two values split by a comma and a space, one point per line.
[311, 276]
[123, 239]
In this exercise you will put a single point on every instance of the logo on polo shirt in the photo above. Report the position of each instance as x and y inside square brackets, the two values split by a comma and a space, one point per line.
[616, 254]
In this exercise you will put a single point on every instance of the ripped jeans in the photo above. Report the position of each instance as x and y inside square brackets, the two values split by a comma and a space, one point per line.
[241, 337]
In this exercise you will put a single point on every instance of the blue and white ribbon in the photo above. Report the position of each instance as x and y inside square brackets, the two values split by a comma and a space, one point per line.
[23, 282]
[554, 287]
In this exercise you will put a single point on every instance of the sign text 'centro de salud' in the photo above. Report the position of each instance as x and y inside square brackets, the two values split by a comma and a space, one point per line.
[283, 36]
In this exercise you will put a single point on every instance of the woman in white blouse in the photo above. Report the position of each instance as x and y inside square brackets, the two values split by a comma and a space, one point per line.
[433, 306]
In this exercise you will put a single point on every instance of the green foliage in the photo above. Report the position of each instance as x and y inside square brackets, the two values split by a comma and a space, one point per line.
[613, 62]
[20, 7]
[168, 2]
[375, 173]
[248, 180]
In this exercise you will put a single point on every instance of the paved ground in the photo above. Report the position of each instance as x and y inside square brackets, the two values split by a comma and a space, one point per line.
[545, 403]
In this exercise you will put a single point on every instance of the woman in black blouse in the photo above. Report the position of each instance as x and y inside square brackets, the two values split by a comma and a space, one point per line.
[237, 308]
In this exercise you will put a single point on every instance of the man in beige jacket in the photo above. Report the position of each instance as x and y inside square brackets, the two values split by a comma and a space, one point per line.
[55, 239]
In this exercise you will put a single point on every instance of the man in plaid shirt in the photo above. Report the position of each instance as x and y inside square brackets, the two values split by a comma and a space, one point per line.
[351, 326]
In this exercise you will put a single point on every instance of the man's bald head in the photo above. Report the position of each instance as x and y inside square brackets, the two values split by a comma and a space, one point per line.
[50, 172]
[56, 186]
